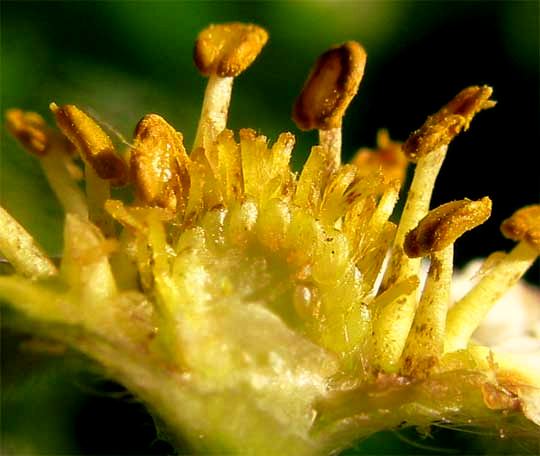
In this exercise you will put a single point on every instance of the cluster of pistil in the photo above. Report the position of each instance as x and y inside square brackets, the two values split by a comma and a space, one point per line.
[229, 220]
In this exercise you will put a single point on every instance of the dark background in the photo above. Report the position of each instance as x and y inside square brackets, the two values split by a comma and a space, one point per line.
[120, 60]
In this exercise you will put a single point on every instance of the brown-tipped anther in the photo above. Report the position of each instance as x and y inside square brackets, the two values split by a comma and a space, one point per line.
[440, 128]
[226, 50]
[330, 87]
[443, 225]
[94, 145]
[432, 136]
[524, 226]
[29, 129]
[32, 132]
[159, 164]
[468, 103]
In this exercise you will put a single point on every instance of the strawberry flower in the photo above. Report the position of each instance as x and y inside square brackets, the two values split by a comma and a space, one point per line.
[252, 308]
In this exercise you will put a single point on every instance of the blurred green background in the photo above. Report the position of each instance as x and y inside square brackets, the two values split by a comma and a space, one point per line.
[120, 60]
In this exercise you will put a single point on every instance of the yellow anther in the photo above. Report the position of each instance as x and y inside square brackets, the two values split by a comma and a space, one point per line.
[159, 164]
[94, 145]
[524, 226]
[227, 50]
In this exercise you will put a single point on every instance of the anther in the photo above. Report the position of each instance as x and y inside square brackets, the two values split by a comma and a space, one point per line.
[222, 52]
[30, 130]
[94, 145]
[159, 164]
[440, 128]
[443, 225]
[465, 316]
[328, 91]
[524, 226]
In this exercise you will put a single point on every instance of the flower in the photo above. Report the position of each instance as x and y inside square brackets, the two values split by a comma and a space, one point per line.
[254, 309]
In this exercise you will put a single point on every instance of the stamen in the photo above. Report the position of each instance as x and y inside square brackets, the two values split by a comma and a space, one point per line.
[159, 164]
[427, 147]
[435, 236]
[465, 316]
[20, 249]
[103, 164]
[53, 151]
[222, 52]
[328, 91]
